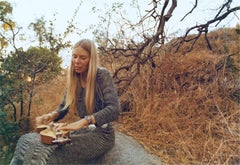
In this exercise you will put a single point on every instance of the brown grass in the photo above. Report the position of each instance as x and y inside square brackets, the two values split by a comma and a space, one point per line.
[185, 113]
[184, 110]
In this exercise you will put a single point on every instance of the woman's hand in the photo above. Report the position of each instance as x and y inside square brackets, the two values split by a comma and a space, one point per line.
[73, 126]
[46, 118]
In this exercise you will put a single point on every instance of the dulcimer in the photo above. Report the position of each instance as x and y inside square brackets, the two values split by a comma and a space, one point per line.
[48, 135]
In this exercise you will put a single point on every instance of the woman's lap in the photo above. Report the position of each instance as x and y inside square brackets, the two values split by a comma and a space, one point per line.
[86, 146]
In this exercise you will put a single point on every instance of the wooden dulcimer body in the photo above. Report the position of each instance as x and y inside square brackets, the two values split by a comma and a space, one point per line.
[50, 136]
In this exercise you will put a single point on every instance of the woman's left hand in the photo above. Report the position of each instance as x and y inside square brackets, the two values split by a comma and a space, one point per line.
[73, 126]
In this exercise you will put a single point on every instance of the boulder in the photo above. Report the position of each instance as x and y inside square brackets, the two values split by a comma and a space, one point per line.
[125, 151]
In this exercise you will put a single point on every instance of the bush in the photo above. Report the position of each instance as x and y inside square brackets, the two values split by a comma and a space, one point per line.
[9, 133]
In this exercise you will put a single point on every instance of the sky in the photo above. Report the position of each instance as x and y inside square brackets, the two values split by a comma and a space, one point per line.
[26, 11]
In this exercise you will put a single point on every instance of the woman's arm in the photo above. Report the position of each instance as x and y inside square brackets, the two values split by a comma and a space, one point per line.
[110, 98]
[61, 110]
[46, 118]
[111, 104]
[56, 115]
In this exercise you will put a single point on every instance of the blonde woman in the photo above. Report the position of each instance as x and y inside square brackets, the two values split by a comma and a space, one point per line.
[91, 95]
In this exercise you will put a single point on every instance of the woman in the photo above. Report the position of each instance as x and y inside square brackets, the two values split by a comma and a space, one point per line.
[92, 96]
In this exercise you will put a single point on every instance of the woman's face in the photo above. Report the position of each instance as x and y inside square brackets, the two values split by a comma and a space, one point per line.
[80, 60]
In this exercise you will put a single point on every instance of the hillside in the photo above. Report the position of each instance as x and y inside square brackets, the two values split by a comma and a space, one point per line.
[186, 110]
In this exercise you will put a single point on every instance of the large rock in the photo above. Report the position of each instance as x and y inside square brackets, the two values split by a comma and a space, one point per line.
[128, 151]
[125, 151]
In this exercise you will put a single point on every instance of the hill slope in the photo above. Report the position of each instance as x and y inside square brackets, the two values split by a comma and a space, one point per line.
[185, 110]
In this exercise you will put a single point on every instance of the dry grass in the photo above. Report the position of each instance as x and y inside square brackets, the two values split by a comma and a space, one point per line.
[184, 110]
[185, 114]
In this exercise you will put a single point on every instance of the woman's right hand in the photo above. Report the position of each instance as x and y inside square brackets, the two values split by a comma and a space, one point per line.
[45, 119]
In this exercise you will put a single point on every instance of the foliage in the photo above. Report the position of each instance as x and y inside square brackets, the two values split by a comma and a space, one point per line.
[5, 23]
[8, 137]
[24, 70]
[21, 70]
[42, 62]
[5, 10]
[8, 128]
[46, 36]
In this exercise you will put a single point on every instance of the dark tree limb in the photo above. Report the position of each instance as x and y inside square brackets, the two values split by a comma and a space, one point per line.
[194, 7]
[134, 55]
[203, 28]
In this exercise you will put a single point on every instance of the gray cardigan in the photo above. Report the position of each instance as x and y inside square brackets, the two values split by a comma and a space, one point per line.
[107, 105]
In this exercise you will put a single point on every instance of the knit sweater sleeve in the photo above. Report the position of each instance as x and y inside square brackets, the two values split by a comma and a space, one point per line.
[111, 105]
[61, 110]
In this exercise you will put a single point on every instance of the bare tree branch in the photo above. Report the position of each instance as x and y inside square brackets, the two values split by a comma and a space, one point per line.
[203, 28]
[194, 6]
[132, 56]
[136, 55]
[225, 5]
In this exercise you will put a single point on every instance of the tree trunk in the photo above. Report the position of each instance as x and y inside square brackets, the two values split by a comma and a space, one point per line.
[30, 101]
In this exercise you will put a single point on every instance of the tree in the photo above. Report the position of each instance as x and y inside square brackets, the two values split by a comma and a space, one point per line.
[23, 68]
[41, 66]
[223, 11]
[136, 45]
[8, 136]
[8, 127]
[47, 38]
[6, 24]
[37, 65]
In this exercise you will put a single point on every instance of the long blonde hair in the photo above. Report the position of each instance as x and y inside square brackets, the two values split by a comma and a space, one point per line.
[73, 80]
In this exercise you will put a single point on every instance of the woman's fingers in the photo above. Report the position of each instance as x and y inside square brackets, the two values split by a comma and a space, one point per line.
[65, 128]
[44, 119]
[60, 126]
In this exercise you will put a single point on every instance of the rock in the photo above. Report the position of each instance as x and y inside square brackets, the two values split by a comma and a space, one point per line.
[128, 151]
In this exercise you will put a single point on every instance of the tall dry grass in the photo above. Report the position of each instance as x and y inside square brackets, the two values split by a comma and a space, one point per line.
[185, 110]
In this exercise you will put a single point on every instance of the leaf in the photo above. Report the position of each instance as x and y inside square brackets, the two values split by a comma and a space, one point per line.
[8, 25]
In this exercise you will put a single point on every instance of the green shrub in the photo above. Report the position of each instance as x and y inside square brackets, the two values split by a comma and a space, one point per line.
[9, 134]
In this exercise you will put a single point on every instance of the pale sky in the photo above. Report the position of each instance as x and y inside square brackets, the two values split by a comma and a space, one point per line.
[26, 11]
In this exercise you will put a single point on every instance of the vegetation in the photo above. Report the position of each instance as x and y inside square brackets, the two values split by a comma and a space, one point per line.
[179, 99]
[8, 136]
[185, 110]
[21, 70]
